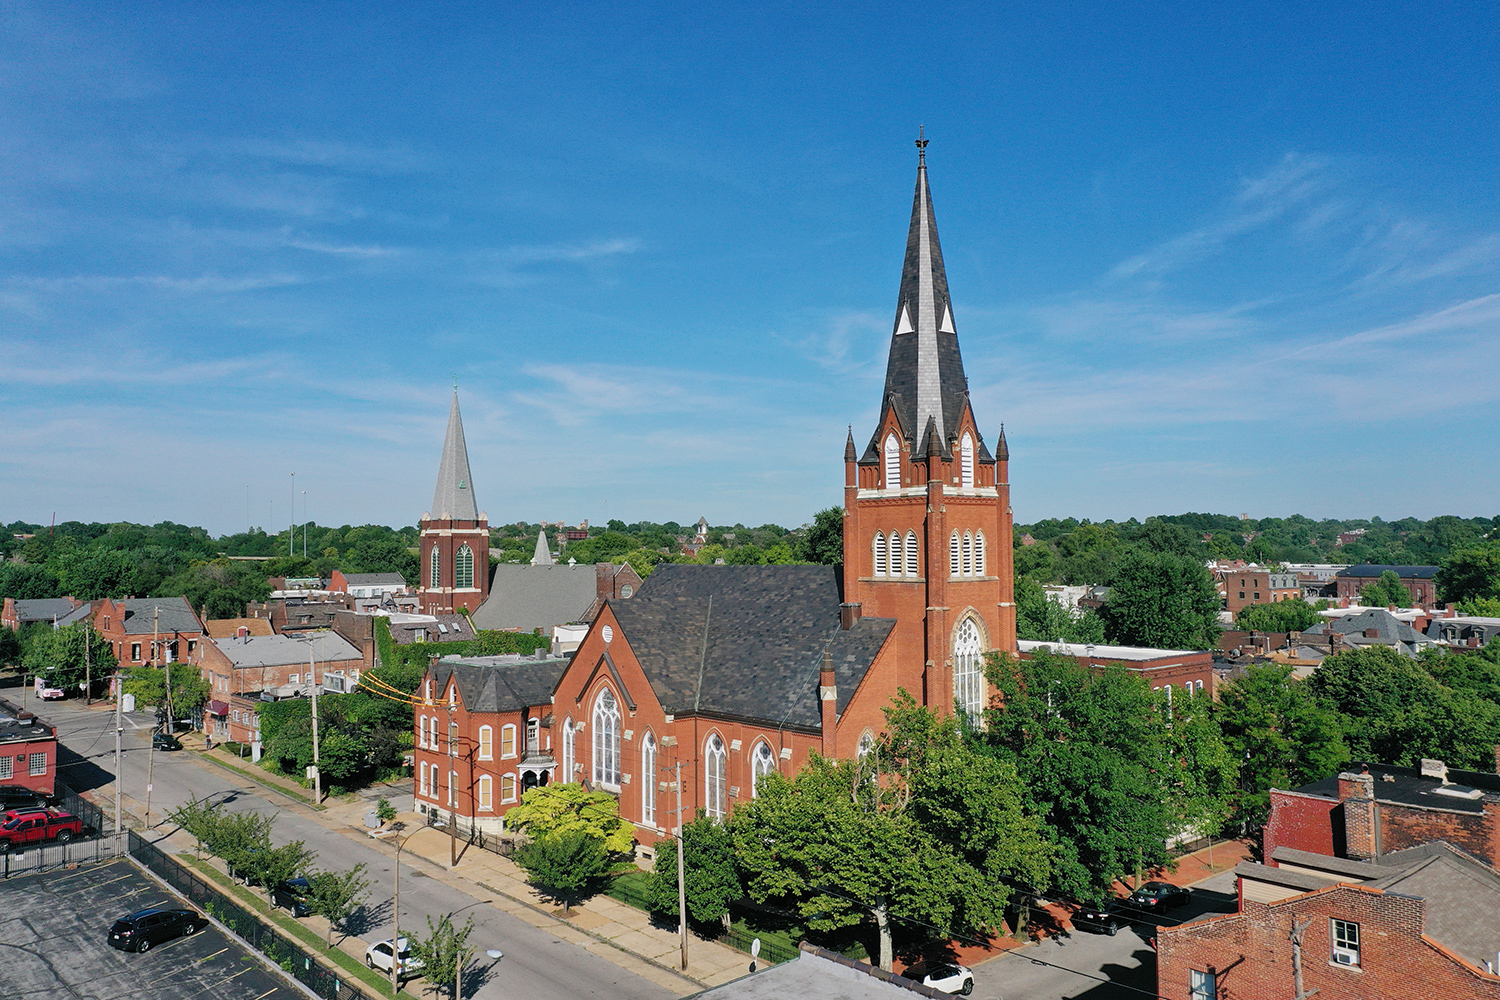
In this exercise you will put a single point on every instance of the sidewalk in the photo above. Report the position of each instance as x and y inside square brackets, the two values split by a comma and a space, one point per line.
[610, 929]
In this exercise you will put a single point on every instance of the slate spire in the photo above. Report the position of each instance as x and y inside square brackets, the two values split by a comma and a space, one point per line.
[453, 500]
[543, 554]
[924, 378]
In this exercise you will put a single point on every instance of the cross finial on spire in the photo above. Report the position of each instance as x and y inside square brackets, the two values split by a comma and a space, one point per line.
[921, 145]
[455, 383]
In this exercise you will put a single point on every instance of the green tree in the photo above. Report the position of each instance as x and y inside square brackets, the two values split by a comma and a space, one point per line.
[709, 871]
[570, 808]
[1282, 616]
[566, 865]
[1038, 562]
[1471, 573]
[1280, 733]
[275, 865]
[643, 561]
[1162, 600]
[149, 686]
[63, 656]
[1202, 773]
[336, 895]
[824, 541]
[1388, 590]
[1090, 554]
[1088, 746]
[28, 583]
[444, 951]
[1041, 618]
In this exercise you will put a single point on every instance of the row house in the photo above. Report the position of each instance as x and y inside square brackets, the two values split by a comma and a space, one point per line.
[250, 667]
[17, 613]
[28, 750]
[144, 631]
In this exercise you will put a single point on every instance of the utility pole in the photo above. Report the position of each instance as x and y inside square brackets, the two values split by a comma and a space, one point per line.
[304, 524]
[312, 676]
[1298, 930]
[291, 533]
[681, 883]
[452, 792]
[88, 677]
[151, 753]
[119, 770]
[396, 917]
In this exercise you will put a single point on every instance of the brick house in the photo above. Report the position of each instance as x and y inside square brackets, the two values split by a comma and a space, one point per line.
[1419, 581]
[1418, 922]
[1253, 585]
[14, 613]
[453, 553]
[735, 671]
[28, 750]
[1377, 808]
[1167, 670]
[370, 586]
[131, 625]
[279, 665]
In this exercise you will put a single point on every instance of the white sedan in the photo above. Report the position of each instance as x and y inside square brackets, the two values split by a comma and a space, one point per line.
[378, 956]
[944, 978]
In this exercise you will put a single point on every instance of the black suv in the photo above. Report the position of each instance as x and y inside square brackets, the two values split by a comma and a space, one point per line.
[295, 894]
[1154, 897]
[140, 930]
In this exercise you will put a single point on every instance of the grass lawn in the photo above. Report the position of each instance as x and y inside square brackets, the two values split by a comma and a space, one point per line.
[287, 924]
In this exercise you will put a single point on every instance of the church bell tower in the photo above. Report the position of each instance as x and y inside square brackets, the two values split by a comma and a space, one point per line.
[927, 520]
[453, 552]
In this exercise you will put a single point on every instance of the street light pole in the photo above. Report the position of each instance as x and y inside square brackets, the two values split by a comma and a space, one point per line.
[151, 753]
[119, 735]
[291, 533]
[681, 885]
[452, 792]
[312, 676]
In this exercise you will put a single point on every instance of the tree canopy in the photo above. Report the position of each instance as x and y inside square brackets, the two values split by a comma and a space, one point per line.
[1280, 616]
[1162, 600]
[569, 808]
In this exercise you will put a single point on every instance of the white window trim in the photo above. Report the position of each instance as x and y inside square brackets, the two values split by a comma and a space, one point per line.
[648, 779]
[880, 553]
[487, 742]
[508, 786]
[966, 459]
[891, 471]
[606, 723]
[913, 555]
[485, 792]
[968, 676]
[953, 554]
[762, 763]
[979, 553]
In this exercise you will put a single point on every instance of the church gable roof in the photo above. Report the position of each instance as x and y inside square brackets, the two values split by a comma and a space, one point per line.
[453, 500]
[528, 597]
[746, 641]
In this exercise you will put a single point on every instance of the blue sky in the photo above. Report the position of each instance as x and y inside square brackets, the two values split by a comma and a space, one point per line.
[1239, 261]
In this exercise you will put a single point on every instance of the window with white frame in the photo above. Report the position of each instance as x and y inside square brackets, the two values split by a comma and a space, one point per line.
[913, 568]
[762, 763]
[968, 681]
[648, 780]
[507, 788]
[714, 761]
[897, 558]
[463, 567]
[434, 568]
[606, 724]
[487, 743]
[567, 750]
[1345, 943]
[507, 741]
[1201, 986]
[7, 767]
[37, 763]
[533, 736]
[892, 463]
[968, 557]
[879, 548]
[953, 555]
[421, 777]
[979, 553]
[485, 791]
[966, 460]
[866, 743]
[422, 731]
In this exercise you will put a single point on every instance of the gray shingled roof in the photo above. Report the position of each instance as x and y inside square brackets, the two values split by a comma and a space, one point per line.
[1387, 626]
[454, 497]
[746, 641]
[1462, 894]
[924, 376]
[1405, 572]
[530, 597]
[284, 650]
[43, 609]
[176, 615]
[501, 683]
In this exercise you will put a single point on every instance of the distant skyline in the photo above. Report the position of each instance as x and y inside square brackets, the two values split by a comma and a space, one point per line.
[1213, 260]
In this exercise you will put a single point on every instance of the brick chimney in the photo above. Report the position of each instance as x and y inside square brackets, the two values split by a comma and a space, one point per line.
[1372, 633]
[1361, 819]
[828, 694]
[849, 613]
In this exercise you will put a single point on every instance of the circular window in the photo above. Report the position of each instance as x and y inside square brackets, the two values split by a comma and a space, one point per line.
[609, 634]
[626, 590]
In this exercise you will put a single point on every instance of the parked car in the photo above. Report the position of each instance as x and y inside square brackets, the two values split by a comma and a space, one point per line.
[165, 741]
[143, 929]
[19, 797]
[295, 894]
[945, 977]
[1105, 916]
[1153, 897]
[33, 826]
[378, 956]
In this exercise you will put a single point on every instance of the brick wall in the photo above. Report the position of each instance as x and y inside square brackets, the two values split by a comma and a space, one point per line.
[1299, 821]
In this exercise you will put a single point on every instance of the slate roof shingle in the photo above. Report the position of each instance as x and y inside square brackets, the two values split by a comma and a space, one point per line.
[176, 615]
[529, 597]
[284, 650]
[501, 683]
[1372, 570]
[42, 609]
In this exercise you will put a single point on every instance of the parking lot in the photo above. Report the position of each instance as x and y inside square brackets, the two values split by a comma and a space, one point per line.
[53, 929]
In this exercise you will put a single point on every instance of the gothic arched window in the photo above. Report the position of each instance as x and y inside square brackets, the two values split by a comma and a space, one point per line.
[979, 553]
[968, 557]
[567, 748]
[606, 740]
[896, 557]
[968, 681]
[953, 555]
[966, 459]
[648, 780]
[463, 568]
[880, 565]
[892, 463]
[762, 763]
[435, 568]
[714, 760]
[912, 565]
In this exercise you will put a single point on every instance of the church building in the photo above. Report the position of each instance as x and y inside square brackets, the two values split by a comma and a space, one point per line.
[723, 674]
[453, 551]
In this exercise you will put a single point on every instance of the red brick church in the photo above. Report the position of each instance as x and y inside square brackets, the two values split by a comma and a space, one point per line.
[453, 552]
[736, 671]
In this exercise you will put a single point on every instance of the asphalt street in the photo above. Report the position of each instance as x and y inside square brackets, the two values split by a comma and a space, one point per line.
[536, 964]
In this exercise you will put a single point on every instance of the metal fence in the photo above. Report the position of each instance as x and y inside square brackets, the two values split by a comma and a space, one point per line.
[306, 967]
[95, 820]
[42, 857]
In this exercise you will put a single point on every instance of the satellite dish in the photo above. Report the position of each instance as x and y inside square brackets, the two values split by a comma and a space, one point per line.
[755, 948]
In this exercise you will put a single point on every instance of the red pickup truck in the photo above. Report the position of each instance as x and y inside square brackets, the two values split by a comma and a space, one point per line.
[20, 827]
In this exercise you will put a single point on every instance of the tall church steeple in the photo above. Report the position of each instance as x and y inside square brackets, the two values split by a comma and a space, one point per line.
[927, 524]
[454, 548]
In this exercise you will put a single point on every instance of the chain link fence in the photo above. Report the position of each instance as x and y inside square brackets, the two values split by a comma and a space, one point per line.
[301, 964]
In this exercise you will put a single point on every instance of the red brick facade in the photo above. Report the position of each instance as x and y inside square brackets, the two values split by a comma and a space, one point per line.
[442, 548]
[1249, 954]
[28, 753]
